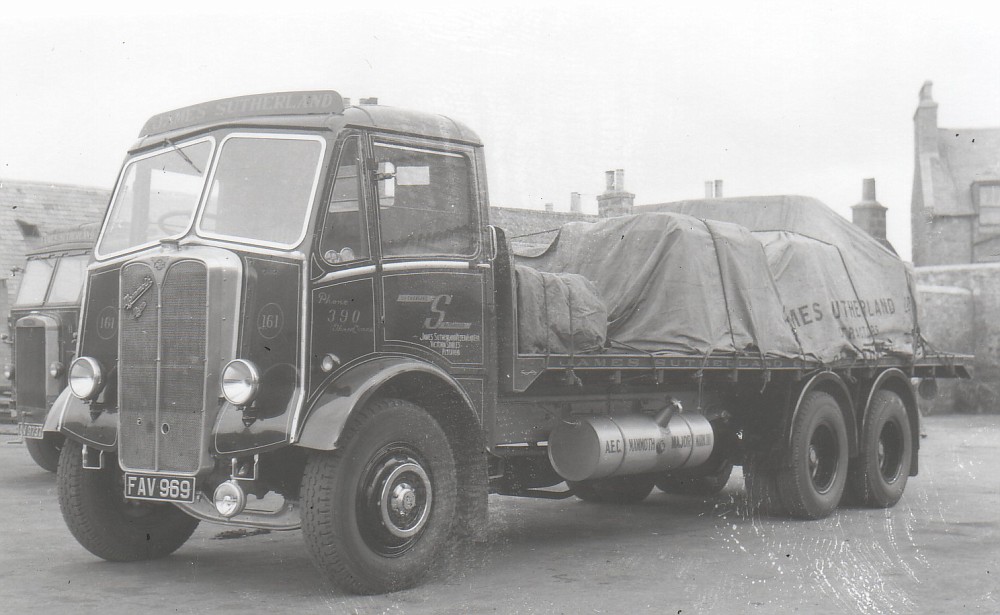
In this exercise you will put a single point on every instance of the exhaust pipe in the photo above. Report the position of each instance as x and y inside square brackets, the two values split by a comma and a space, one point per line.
[601, 446]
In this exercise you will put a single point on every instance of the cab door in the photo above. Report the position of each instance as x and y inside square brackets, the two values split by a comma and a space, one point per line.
[343, 302]
[433, 281]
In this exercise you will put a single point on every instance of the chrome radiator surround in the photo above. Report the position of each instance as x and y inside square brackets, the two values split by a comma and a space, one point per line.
[177, 328]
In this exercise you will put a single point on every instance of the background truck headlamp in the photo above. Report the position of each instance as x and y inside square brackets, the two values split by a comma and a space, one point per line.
[56, 369]
[8, 371]
[240, 382]
[85, 377]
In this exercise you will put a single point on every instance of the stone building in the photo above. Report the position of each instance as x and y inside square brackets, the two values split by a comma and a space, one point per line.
[955, 225]
[955, 207]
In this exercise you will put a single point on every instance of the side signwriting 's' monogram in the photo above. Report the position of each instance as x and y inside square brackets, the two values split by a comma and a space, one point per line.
[130, 300]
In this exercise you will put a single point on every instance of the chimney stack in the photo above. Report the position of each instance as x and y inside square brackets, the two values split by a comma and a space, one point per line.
[925, 121]
[869, 214]
[615, 201]
[549, 207]
[713, 189]
[574, 203]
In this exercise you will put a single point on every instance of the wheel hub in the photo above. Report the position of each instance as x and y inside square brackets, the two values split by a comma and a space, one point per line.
[404, 498]
[822, 459]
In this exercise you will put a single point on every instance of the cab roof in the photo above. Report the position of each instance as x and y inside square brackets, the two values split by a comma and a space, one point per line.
[63, 240]
[323, 109]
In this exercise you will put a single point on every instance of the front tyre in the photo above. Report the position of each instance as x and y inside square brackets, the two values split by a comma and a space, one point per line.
[105, 523]
[45, 452]
[377, 511]
[877, 476]
[812, 480]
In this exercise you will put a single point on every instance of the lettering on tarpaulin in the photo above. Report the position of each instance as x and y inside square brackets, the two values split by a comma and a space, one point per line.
[842, 309]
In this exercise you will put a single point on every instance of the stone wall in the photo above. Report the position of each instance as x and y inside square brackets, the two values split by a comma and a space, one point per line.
[945, 314]
[960, 312]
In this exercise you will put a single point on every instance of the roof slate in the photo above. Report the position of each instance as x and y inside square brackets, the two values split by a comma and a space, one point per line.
[963, 156]
[50, 207]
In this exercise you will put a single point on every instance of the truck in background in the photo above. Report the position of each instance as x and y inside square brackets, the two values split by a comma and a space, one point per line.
[297, 315]
[43, 322]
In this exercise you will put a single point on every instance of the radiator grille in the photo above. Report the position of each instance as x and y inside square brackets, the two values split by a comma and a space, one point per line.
[165, 436]
[29, 366]
[182, 369]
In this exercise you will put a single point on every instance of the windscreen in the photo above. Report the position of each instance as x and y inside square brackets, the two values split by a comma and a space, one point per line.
[156, 198]
[262, 188]
[35, 281]
[68, 280]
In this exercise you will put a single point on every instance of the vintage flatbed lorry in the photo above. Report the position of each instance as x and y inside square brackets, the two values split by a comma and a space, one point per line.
[43, 324]
[298, 315]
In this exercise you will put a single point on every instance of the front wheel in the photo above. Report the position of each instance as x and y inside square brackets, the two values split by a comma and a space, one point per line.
[45, 452]
[105, 523]
[811, 482]
[877, 476]
[377, 511]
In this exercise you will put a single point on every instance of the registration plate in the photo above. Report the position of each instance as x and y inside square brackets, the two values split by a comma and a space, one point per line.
[30, 430]
[159, 488]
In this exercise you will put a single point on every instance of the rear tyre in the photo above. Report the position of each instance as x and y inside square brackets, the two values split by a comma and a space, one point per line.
[697, 484]
[615, 489]
[811, 482]
[46, 451]
[377, 511]
[877, 476]
[105, 523]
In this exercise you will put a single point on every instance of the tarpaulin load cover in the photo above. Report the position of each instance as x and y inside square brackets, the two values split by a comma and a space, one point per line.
[845, 294]
[558, 312]
[675, 284]
[680, 284]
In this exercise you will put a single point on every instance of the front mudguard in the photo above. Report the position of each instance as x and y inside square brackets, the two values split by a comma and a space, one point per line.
[80, 421]
[327, 416]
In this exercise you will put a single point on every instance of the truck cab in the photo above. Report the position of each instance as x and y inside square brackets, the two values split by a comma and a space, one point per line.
[268, 266]
[44, 320]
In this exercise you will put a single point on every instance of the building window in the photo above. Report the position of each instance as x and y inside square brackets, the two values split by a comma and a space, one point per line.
[988, 196]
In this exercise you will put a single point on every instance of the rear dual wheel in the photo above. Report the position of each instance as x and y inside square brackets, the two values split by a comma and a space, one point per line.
[877, 476]
[812, 480]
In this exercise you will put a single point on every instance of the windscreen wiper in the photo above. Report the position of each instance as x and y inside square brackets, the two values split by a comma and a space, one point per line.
[183, 155]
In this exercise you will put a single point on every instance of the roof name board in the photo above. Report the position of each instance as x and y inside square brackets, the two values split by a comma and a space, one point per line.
[278, 103]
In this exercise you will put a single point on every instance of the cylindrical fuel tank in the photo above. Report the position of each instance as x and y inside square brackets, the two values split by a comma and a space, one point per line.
[600, 446]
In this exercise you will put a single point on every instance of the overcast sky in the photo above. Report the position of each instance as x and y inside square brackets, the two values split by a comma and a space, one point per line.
[779, 99]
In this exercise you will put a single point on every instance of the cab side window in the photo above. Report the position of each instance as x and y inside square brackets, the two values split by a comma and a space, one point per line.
[426, 202]
[345, 231]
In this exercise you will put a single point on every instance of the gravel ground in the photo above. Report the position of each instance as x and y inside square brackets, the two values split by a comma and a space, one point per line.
[937, 551]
